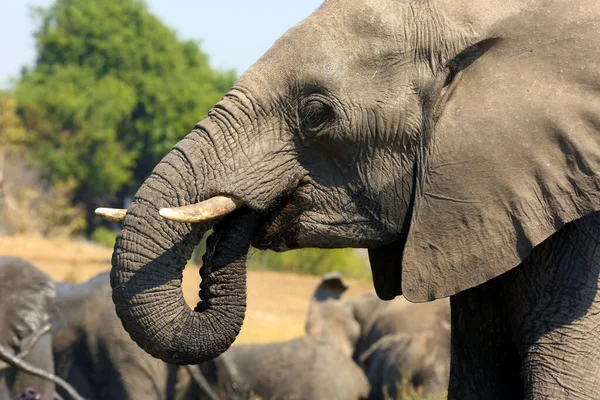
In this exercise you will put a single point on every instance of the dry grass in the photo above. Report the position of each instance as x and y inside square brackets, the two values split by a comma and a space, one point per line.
[277, 303]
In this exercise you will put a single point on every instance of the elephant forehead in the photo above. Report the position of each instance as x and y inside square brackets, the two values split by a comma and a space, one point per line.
[349, 43]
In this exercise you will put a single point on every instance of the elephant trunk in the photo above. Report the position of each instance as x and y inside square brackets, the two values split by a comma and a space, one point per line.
[151, 252]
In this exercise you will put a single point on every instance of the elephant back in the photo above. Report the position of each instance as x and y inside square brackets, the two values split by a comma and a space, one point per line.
[302, 368]
[28, 297]
[71, 296]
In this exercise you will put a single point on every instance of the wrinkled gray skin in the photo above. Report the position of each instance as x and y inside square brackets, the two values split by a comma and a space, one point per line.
[456, 139]
[95, 355]
[27, 301]
[419, 361]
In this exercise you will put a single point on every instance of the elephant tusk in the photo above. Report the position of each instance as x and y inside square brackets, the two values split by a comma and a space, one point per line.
[207, 210]
[111, 214]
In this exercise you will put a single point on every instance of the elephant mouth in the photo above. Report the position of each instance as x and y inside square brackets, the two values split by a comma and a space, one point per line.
[279, 227]
[279, 224]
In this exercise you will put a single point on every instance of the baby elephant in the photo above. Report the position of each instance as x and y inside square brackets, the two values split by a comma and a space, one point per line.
[299, 369]
[414, 362]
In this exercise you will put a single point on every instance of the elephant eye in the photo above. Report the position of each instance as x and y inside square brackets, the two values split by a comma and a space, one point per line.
[314, 115]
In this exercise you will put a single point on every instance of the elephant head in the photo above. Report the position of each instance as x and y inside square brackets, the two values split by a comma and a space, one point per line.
[335, 321]
[448, 137]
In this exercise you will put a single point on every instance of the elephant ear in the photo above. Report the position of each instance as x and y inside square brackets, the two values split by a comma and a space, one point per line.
[332, 286]
[513, 156]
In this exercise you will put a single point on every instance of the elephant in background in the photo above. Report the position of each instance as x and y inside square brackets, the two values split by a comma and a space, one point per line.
[308, 367]
[26, 304]
[457, 140]
[337, 321]
[95, 355]
[301, 369]
[356, 323]
[415, 362]
[390, 340]
[401, 316]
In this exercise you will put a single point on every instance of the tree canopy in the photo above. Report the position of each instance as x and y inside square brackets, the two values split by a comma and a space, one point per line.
[112, 90]
[27, 203]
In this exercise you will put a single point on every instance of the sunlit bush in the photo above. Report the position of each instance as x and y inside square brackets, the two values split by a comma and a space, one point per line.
[311, 262]
[29, 203]
[104, 236]
[304, 261]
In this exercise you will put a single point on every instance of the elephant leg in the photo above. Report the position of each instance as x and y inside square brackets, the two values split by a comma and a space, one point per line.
[4, 385]
[554, 305]
[39, 356]
[534, 332]
[484, 362]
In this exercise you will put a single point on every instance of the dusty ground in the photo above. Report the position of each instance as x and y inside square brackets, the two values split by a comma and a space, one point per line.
[277, 303]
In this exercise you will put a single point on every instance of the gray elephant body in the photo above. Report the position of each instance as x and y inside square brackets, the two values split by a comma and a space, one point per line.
[95, 355]
[27, 303]
[457, 140]
[390, 340]
[400, 316]
[355, 324]
[416, 361]
[540, 319]
[300, 369]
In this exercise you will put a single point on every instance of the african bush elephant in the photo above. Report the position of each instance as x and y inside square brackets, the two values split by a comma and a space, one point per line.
[390, 340]
[456, 140]
[416, 362]
[335, 320]
[400, 316]
[315, 366]
[354, 324]
[301, 369]
[95, 355]
[26, 304]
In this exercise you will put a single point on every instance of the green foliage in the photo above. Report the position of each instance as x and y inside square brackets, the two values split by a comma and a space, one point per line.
[405, 390]
[311, 262]
[12, 133]
[28, 204]
[200, 250]
[112, 90]
[104, 236]
[75, 117]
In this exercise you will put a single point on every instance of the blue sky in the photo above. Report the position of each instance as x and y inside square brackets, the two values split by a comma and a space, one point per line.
[234, 33]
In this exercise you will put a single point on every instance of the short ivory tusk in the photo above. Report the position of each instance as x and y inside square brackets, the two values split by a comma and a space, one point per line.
[111, 214]
[212, 208]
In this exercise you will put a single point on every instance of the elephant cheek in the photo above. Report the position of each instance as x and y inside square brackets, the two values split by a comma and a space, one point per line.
[278, 231]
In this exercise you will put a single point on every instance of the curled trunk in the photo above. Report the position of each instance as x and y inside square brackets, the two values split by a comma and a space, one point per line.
[148, 262]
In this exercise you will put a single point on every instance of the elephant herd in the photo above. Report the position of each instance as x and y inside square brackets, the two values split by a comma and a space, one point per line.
[354, 348]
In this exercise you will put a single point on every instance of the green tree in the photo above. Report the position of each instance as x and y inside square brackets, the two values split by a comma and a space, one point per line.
[112, 90]
[74, 117]
[27, 203]
[12, 133]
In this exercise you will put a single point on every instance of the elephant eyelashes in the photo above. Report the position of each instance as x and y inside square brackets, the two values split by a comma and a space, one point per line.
[314, 114]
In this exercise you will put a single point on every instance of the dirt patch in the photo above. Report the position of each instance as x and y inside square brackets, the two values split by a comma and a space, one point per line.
[277, 303]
